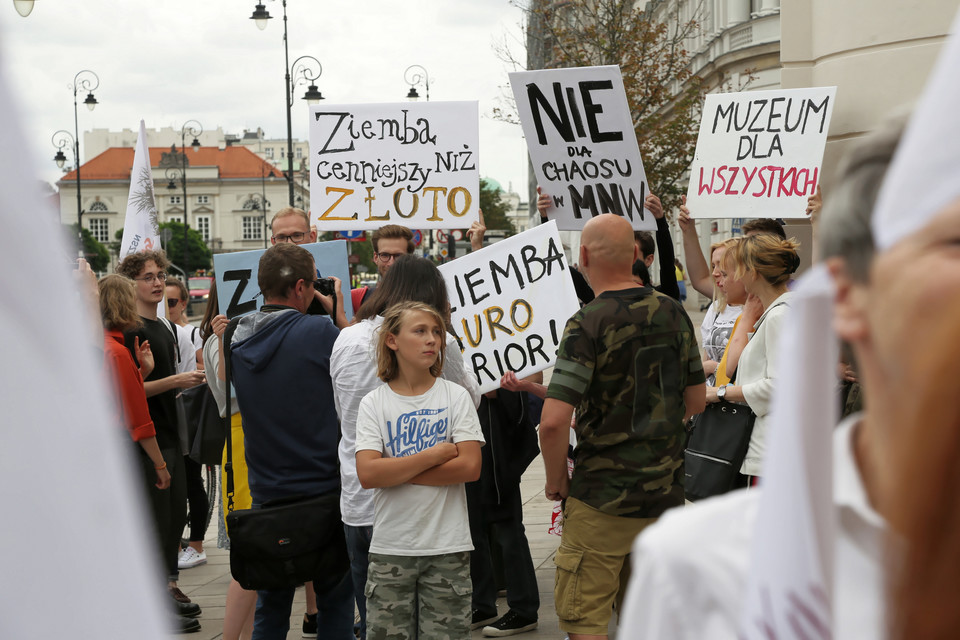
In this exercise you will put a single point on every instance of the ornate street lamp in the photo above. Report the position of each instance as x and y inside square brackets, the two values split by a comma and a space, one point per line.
[295, 74]
[193, 129]
[88, 81]
[415, 75]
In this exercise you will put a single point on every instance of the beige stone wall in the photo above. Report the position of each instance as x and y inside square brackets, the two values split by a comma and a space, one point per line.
[877, 52]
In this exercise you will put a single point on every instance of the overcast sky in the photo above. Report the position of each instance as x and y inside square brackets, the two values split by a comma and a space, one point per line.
[168, 61]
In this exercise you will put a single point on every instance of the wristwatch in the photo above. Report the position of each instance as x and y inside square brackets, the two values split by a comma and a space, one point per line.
[722, 391]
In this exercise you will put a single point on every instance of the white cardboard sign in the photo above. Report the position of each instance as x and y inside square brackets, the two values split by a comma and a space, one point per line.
[582, 144]
[413, 164]
[510, 302]
[759, 153]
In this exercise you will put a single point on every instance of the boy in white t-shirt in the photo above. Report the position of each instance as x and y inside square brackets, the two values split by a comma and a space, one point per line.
[418, 442]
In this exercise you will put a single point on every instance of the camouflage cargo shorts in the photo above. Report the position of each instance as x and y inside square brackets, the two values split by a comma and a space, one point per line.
[425, 597]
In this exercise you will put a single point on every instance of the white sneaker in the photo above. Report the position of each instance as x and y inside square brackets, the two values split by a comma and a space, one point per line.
[190, 557]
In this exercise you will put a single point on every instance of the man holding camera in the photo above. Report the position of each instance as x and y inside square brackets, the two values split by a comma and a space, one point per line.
[280, 360]
[293, 225]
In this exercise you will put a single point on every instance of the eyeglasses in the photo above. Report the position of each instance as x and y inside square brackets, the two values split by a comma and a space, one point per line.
[387, 257]
[295, 238]
[150, 278]
[173, 301]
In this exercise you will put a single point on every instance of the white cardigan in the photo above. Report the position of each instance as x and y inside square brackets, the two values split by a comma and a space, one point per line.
[756, 375]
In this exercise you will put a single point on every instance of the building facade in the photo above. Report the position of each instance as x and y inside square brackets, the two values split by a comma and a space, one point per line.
[226, 188]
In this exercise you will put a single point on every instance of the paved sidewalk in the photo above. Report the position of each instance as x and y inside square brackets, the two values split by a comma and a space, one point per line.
[207, 584]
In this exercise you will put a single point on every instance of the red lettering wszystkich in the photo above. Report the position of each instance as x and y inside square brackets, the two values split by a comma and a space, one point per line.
[769, 181]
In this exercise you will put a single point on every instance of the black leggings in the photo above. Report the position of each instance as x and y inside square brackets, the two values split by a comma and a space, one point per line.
[168, 506]
[197, 497]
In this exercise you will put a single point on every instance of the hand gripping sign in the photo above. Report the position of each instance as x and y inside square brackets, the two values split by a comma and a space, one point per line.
[759, 153]
[510, 302]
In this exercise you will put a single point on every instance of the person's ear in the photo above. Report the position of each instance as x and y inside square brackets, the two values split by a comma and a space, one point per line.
[391, 341]
[850, 303]
[648, 260]
[584, 256]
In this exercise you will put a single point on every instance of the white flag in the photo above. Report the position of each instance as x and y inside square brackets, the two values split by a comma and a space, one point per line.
[67, 480]
[141, 228]
[791, 565]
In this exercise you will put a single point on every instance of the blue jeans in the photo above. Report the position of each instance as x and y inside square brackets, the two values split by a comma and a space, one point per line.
[358, 546]
[334, 611]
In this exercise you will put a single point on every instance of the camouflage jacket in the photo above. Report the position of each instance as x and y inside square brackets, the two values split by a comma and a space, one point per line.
[624, 362]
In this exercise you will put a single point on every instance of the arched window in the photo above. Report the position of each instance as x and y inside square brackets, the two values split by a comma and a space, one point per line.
[251, 204]
[98, 206]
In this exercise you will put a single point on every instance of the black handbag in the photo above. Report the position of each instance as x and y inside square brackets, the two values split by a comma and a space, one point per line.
[287, 542]
[717, 446]
[205, 426]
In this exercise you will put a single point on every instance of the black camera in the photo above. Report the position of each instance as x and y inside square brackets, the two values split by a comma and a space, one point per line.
[325, 286]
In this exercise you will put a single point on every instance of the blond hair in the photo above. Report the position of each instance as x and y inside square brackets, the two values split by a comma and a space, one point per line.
[118, 303]
[393, 318]
[768, 256]
[718, 295]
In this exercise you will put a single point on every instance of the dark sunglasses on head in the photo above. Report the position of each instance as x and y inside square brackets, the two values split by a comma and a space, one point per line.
[173, 301]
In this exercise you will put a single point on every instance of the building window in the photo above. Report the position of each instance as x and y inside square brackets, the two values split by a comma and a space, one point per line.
[203, 227]
[100, 228]
[252, 228]
[282, 153]
[299, 152]
[175, 200]
[270, 152]
[203, 199]
[175, 219]
[98, 206]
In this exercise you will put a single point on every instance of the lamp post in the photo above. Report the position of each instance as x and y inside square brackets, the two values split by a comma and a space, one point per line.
[260, 203]
[295, 74]
[194, 129]
[87, 81]
[414, 76]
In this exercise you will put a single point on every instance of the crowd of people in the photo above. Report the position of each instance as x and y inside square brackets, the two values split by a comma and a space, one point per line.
[382, 412]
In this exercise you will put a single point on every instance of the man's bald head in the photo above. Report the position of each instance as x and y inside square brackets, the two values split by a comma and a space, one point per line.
[608, 239]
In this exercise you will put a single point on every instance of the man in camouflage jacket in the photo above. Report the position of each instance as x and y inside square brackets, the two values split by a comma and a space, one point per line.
[629, 365]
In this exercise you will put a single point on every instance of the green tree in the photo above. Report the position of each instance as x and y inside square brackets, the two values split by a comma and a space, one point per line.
[96, 254]
[494, 208]
[199, 255]
[665, 98]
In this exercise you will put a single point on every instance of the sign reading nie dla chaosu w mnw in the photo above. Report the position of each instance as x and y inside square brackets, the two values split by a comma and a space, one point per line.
[509, 304]
[413, 164]
[759, 153]
[582, 144]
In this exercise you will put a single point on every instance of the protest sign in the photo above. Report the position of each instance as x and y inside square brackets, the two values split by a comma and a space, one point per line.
[237, 289]
[581, 141]
[413, 164]
[510, 302]
[759, 153]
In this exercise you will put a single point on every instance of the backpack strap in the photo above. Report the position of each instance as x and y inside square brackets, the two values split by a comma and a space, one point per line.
[176, 338]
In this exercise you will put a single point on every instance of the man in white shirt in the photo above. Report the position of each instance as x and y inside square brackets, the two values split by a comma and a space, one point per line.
[690, 569]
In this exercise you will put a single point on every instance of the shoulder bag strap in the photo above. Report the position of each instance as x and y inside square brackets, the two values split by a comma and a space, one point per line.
[228, 417]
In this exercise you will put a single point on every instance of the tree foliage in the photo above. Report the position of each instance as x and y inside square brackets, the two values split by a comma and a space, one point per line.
[665, 98]
[494, 208]
[199, 253]
[96, 254]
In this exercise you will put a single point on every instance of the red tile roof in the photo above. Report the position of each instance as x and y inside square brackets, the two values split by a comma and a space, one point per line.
[234, 162]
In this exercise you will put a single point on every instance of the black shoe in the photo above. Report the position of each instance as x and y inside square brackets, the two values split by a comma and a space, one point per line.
[481, 618]
[187, 625]
[510, 624]
[309, 625]
[188, 609]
